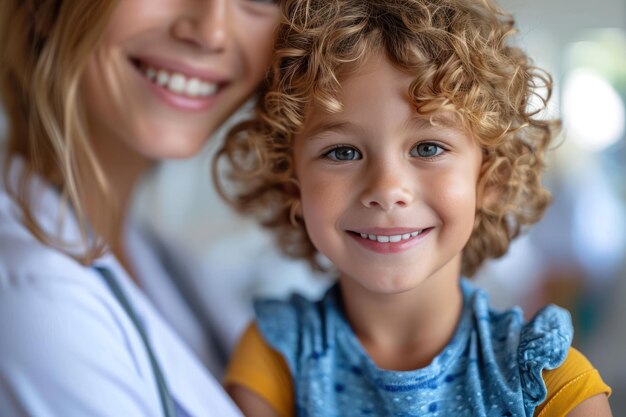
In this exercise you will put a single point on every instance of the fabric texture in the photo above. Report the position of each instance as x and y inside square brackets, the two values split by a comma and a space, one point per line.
[262, 370]
[67, 347]
[491, 367]
[570, 384]
[256, 366]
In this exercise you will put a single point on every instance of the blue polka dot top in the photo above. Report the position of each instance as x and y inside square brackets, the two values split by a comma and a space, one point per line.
[491, 367]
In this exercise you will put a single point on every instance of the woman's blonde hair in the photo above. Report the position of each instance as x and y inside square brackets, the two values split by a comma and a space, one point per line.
[461, 59]
[44, 48]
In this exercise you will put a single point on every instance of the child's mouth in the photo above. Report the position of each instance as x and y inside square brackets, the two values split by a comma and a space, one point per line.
[394, 241]
[390, 238]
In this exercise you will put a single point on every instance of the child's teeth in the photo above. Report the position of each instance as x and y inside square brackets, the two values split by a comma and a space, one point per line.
[392, 238]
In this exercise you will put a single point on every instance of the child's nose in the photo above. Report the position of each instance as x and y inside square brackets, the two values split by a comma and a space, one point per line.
[387, 187]
[205, 24]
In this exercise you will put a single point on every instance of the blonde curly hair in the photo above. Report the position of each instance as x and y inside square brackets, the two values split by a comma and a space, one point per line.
[462, 59]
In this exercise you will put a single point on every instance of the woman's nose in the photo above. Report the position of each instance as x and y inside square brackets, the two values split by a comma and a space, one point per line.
[387, 188]
[205, 24]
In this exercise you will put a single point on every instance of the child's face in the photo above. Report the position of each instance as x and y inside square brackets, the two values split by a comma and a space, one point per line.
[389, 198]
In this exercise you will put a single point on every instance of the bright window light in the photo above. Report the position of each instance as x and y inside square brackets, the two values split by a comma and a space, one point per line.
[593, 111]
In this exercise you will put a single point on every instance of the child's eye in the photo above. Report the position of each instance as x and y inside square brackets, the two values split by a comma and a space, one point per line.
[343, 153]
[426, 150]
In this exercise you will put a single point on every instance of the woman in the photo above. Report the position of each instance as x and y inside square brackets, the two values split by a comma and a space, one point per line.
[95, 94]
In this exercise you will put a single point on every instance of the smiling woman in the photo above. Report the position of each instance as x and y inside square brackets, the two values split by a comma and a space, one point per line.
[160, 80]
[95, 94]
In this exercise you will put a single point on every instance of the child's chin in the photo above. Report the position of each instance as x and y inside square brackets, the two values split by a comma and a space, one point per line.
[390, 286]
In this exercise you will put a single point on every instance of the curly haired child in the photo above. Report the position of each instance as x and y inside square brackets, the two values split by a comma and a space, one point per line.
[399, 140]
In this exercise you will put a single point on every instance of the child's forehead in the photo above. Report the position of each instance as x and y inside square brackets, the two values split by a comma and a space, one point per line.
[373, 87]
[319, 123]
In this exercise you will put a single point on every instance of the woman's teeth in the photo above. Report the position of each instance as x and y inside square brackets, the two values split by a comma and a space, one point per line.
[392, 238]
[180, 84]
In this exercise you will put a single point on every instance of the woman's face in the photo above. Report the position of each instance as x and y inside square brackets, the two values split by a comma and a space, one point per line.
[167, 73]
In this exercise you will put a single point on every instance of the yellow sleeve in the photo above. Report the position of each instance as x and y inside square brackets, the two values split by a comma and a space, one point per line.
[570, 384]
[256, 366]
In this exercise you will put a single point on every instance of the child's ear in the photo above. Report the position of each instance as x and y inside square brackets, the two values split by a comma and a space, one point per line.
[487, 195]
[295, 213]
[292, 190]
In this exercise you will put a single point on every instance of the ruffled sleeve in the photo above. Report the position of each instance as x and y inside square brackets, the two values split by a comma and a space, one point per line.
[296, 328]
[544, 343]
[277, 322]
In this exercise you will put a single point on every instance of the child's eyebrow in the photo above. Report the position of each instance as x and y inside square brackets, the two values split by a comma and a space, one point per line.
[442, 120]
[438, 120]
[340, 126]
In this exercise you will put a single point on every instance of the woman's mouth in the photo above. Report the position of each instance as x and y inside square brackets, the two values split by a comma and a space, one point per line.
[177, 82]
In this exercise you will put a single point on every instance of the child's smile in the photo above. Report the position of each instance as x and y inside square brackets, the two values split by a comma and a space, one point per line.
[388, 196]
[392, 240]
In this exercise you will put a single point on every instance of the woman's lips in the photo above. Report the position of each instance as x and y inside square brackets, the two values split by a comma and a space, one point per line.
[178, 89]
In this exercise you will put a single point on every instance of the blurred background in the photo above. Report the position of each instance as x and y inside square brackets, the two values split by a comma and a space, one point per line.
[574, 257]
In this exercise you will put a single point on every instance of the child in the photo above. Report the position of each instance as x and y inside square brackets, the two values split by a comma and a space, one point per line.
[396, 138]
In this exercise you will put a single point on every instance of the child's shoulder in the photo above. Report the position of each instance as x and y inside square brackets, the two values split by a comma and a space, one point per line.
[296, 311]
[548, 331]
[300, 323]
[543, 340]
[495, 349]
[505, 336]
[520, 350]
[280, 315]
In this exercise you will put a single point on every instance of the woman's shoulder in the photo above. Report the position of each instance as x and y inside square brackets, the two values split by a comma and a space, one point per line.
[27, 262]
[64, 336]
[61, 337]
[47, 298]
[55, 313]
[24, 259]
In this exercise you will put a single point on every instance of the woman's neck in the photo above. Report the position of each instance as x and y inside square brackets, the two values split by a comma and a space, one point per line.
[122, 168]
[405, 331]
